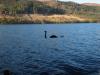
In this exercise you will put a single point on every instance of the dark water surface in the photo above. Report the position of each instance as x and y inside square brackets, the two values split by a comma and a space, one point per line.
[25, 51]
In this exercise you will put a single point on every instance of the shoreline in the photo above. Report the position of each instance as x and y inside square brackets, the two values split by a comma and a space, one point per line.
[44, 19]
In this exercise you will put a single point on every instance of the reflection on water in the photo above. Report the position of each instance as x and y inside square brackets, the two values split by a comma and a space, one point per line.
[25, 51]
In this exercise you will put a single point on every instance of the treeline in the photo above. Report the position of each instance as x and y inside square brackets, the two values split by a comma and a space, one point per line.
[28, 7]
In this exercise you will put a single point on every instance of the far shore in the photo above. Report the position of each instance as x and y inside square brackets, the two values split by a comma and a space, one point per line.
[44, 19]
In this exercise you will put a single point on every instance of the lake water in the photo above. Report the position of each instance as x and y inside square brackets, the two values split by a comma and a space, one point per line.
[25, 51]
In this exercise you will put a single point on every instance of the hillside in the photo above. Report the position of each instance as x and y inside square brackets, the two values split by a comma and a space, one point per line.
[91, 4]
[53, 7]
[16, 8]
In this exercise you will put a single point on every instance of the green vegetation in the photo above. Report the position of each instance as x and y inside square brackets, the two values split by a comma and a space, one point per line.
[16, 9]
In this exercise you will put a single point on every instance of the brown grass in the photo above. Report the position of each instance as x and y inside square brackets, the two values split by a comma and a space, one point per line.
[37, 18]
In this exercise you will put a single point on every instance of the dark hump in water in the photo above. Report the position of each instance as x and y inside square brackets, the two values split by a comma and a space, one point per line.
[44, 73]
[53, 36]
[6, 72]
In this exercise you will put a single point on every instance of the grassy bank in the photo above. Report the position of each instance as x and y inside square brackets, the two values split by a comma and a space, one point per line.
[43, 19]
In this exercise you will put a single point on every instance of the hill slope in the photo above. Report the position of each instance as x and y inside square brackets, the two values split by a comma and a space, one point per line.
[91, 4]
[53, 6]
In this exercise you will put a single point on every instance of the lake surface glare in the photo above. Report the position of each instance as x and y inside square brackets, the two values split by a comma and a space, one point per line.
[25, 51]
